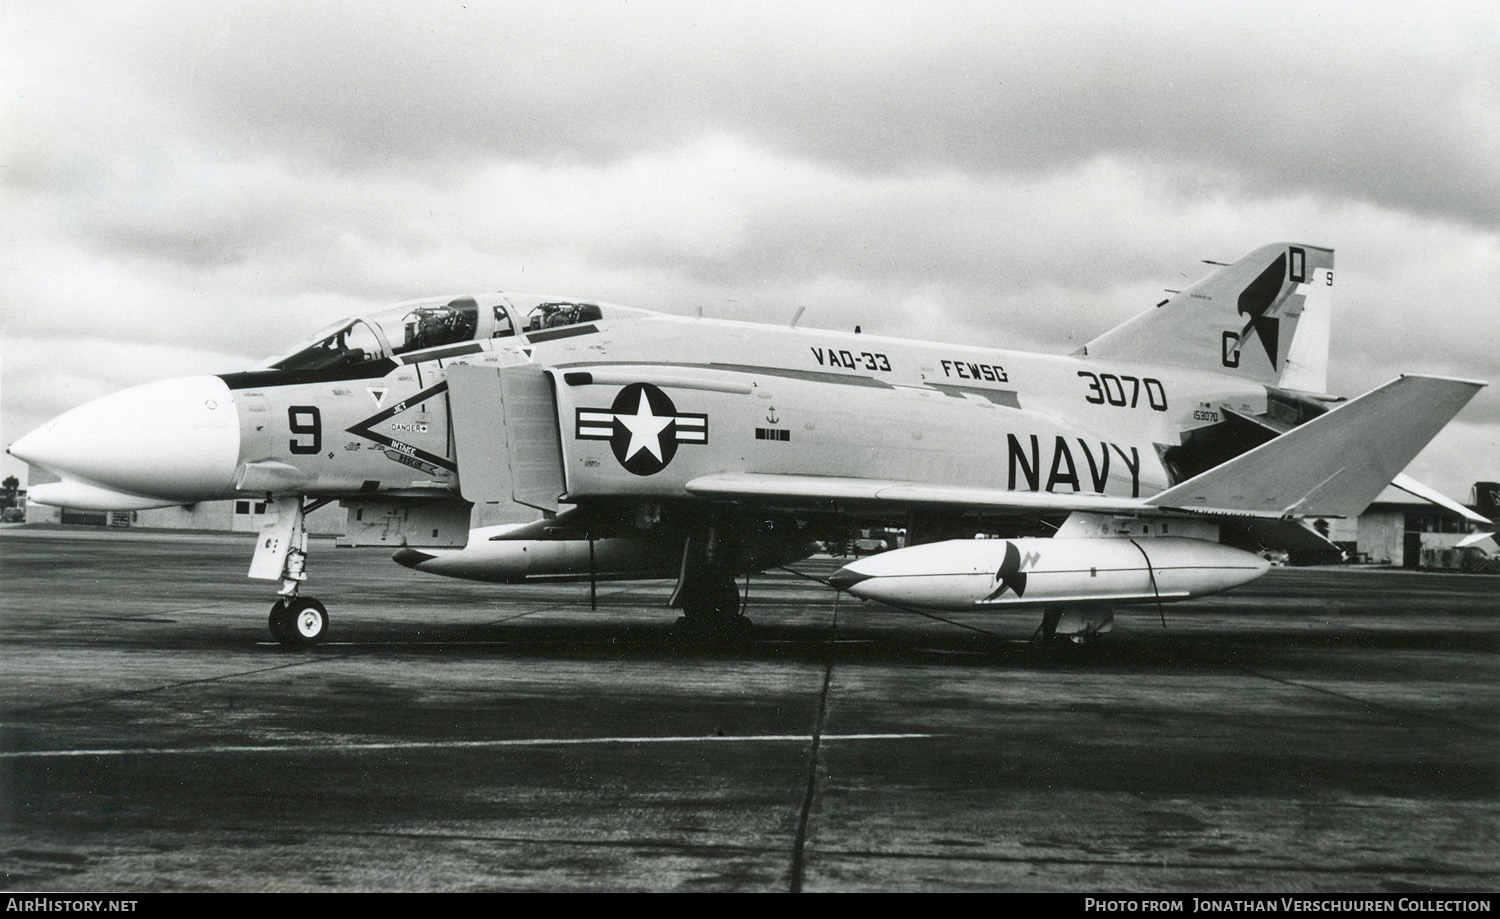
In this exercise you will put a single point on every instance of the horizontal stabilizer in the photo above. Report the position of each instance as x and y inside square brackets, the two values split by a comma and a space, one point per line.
[1412, 487]
[1473, 539]
[1334, 465]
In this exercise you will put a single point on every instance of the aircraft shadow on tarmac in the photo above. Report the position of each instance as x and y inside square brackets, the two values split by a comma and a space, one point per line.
[1140, 646]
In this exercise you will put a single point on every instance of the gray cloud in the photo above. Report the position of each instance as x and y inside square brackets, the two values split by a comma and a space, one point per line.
[221, 180]
[1394, 106]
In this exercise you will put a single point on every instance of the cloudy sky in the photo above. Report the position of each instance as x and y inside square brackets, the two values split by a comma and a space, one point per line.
[188, 187]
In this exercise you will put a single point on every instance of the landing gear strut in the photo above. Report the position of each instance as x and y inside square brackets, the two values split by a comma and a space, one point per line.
[281, 555]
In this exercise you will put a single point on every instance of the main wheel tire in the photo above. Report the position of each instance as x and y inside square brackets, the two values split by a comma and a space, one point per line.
[727, 601]
[712, 611]
[301, 622]
[719, 600]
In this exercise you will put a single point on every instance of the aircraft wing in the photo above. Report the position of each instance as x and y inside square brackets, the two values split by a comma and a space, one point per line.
[1334, 465]
[823, 492]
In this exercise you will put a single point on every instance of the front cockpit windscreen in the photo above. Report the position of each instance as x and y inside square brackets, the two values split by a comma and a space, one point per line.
[413, 326]
[343, 344]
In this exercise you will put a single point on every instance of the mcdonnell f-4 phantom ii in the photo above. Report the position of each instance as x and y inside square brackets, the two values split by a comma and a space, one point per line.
[550, 437]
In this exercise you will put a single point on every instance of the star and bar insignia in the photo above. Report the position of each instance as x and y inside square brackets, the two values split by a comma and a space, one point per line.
[643, 428]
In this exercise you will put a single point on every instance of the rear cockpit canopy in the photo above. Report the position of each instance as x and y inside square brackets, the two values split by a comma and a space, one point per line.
[419, 325]
[535, 312]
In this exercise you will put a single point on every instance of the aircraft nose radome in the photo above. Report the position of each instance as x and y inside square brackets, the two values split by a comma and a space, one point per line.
[176, 439]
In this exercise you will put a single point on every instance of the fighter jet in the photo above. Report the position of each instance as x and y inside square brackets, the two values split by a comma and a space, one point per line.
[555, 437]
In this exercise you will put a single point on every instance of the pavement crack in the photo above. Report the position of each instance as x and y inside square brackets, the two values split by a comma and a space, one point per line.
[141, 692]
[1369, 703]
[799, 842]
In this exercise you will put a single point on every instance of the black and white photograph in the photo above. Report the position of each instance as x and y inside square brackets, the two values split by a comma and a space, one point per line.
[726, 447]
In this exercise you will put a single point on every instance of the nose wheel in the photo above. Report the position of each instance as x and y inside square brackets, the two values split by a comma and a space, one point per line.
[298, 622]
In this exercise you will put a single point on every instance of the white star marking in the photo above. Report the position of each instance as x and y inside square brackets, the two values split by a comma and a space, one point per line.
[645, 429]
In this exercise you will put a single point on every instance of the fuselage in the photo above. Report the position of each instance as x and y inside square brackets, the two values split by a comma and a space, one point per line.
[771, 399]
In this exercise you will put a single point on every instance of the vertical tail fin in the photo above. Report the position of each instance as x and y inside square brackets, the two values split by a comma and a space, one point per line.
[1266, 317]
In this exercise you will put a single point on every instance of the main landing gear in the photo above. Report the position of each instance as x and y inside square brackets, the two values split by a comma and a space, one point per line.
[281, 555]
[706, 592]
[715, 613]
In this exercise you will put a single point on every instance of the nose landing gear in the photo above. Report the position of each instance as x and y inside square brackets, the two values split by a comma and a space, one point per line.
[281, 555]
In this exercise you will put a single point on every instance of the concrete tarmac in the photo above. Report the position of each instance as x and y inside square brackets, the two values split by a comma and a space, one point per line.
[1318, 730]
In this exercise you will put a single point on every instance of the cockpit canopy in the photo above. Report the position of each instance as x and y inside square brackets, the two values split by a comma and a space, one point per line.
[419, 325]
